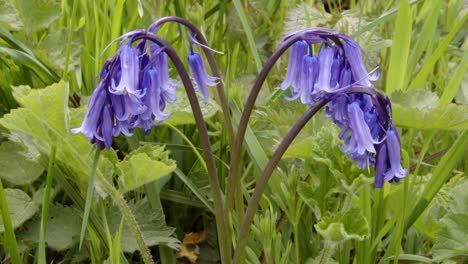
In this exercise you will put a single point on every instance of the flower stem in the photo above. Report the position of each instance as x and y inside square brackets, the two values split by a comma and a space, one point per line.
[220, 214]
[296, 242]
[213, 66]
[274, 160]
[129, 218]
[263, 180]
[234, 181]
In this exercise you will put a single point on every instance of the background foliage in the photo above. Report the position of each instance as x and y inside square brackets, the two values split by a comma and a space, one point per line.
[320, 208]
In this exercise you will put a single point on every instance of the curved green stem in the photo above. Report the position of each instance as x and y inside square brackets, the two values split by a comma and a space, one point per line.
[213, 66]
[129, 218]
[220, 214]
[195, 150]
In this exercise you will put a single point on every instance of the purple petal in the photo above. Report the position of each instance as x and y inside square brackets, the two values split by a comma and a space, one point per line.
[354, 57]
[308, 78]
[394, 156]
[202, 78]
[298, 51]
[361, 136]
[129, 64]
[92, 117]
[326, 59]
[381, 166]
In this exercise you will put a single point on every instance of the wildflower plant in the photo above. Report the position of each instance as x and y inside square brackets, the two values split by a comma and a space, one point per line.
[325, 69]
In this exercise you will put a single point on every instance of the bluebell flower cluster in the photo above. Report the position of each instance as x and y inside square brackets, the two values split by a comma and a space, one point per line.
[368, 133]
[133, 90]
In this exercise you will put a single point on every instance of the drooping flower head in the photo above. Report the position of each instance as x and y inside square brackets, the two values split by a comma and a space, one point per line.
[368, 133]
[132, 92]
[202, 79]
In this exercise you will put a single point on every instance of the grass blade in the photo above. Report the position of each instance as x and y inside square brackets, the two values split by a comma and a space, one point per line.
[426, 35]
[400, 49]
[194, 189]
[45, 205]
[195, 150]
[31, 62]
[384, 17]
[89, 196]
[248, 33]
[440, 175]
[10, 239]
[455, 81]
[420, 80]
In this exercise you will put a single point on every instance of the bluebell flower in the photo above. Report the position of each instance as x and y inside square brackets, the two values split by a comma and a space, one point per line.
[132, 92]
[293, 72]
[91, 126]
[368, 134]
[326, 59]
[202, 79]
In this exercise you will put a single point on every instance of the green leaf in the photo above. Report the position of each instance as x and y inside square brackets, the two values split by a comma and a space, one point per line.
[43, 120]
[32, 63]
[52, 50]
[451, 239]
[400, 48]
[63, 227]
[21, 207]
[343, 226]
[419, 109]
[39, 14]
[460, 198]
[182, 111]
[9, 16]
[140, 168]
[151, 223]
[16, 167]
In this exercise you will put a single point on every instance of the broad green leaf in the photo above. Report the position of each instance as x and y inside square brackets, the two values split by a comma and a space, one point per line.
[63, 227]
[43, 120]
[460, 198]
[429, 222]
[9, 16]
[323, 149]
[450, 240]
[343, 226]
[39, 14]
[419, 109]
[139, 169]
[53, 49]
[16, 167]
[21, 207]
[182, 111]
[151, 223]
